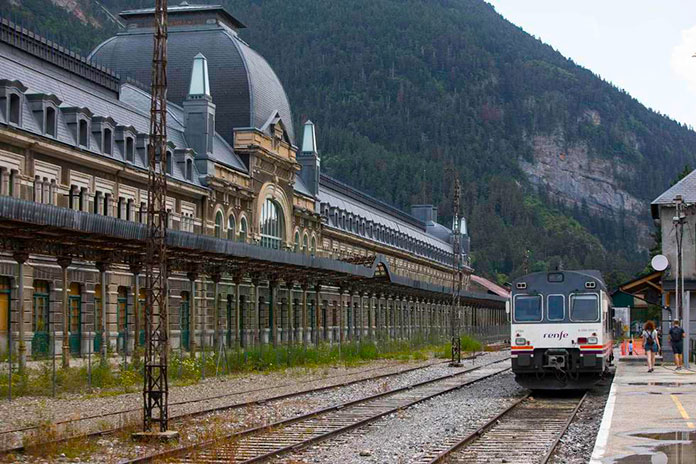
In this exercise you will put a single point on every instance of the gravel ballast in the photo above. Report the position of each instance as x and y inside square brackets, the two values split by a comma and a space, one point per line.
[408, 434]
[576, 445]
[116, 447]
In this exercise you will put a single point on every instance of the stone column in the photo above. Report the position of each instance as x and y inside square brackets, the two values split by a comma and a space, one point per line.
[192, 276]
[291, 312]
[217, 336]
[306, 332]
[135, 270]
[21, 258]
[257, 317]
[65, 351]
[238, 314]
[103, 268]
[317, 307]
[272, 315]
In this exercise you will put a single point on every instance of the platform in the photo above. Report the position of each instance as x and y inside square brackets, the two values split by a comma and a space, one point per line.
[648, 415]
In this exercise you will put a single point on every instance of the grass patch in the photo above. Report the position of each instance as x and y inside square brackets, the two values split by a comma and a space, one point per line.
[110, 379]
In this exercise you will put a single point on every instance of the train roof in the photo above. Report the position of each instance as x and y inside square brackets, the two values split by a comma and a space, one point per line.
[535, 276]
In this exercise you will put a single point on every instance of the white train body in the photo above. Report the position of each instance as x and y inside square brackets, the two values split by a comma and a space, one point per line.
[561, 329]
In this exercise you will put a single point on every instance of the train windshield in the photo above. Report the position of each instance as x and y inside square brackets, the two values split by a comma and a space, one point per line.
[528, 308]
[556, 308]
[584, 307]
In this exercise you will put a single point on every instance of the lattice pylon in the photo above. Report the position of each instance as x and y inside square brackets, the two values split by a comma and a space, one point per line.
[156, 386]
[456, 274]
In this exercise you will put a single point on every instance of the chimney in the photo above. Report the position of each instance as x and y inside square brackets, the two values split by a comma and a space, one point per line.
[199, 110]
[309, 159]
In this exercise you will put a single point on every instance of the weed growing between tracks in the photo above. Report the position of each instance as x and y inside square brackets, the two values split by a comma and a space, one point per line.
[116, 377]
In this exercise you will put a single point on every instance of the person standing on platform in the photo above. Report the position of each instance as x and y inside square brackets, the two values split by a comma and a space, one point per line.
[676, 339]
[651, 343]
[630, 347]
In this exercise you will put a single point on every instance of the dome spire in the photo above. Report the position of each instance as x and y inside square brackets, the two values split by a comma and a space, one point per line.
[309, 138]
[200, 85]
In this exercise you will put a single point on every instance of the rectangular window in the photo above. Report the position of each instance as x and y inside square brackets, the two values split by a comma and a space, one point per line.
[584, 307]
[555, 307]
[527, 308]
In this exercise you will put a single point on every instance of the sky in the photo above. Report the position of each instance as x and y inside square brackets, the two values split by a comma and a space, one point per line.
[645, 47]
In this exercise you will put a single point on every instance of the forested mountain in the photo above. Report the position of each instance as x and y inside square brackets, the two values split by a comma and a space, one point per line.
[558, 166]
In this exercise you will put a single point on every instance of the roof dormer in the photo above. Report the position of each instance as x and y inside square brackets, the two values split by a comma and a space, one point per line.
[78, 121]
[44, 107]
[103, 130]
[126, 137]
[12, 101]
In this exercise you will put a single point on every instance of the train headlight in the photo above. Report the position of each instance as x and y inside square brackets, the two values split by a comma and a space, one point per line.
[592, 340]
[520, 341]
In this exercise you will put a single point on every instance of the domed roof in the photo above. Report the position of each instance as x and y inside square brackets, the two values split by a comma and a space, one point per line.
[244, 88]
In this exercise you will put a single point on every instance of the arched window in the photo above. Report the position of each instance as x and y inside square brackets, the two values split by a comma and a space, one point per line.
[14, 108]
[231, 227]
[271, 225]
[169, 165]
[130, 151]
[243, 230]
[107, 142]
[297, 242]
[189, 169]
[218, 225]
[305, 245]
[313, 249]
[50, 121]
[82, 136]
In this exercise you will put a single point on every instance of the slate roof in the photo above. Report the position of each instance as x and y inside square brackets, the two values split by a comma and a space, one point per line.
[73, 92]
[244, 88]
[685, 187]
[351, 200]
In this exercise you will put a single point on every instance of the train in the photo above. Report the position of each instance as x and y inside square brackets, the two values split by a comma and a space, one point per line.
[561, 330]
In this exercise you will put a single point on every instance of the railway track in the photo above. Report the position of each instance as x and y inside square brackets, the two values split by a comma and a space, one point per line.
[14, 439]
[267, 442]
[527, 432]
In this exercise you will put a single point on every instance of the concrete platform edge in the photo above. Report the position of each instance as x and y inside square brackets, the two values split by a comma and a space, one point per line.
[605, 426]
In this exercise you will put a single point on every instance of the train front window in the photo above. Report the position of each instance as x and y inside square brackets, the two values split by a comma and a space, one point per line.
[528, 308]
[555, 308]
[584, 307]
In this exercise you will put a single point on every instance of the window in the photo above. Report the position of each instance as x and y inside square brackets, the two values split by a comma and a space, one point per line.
[218, 225]
[14, 108]
[130, 149]
[50, 121]
[189, 169]
[555, 307]
[297, 242]
[129, 210]
[168, 164]
[584, 307]
[305, 245]
[107, 142]
[527, 308]
[313, 249]
[271, 225]
[243, 230]
[82, 133]
[231, 226]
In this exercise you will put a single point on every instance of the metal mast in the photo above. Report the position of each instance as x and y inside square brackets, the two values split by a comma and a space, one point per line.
[456, 275]
[156, 387]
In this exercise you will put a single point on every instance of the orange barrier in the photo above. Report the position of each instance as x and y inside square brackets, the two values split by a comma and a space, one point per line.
[638, 349]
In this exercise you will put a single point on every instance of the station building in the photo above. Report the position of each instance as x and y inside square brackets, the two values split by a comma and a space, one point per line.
[309, 258]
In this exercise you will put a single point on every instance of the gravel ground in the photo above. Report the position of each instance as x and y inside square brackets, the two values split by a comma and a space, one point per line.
[29, 411]
[575, 447]
[405, 436]
[116, 447]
